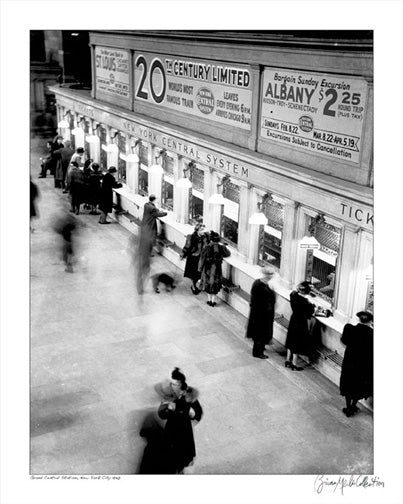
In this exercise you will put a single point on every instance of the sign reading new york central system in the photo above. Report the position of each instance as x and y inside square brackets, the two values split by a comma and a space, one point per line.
[220, 92]
[320, 113]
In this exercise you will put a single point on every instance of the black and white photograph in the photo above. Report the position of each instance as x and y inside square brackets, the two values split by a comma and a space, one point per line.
[200, 289]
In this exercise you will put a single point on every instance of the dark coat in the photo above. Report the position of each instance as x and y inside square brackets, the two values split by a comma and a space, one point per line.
[106, 193]
[76, 185]
[63, 158]
[178, 432]
[261, 315]
[210, 266]
[298, 335]
[156, 457]
[33, 195]
[192, 251]
[95, 187]
[356, 379]
[149, 222]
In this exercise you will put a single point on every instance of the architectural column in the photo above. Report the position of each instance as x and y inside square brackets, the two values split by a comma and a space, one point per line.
[182, 196]
[348, 256]
[78, 133]
[155, 174]
[254, 227]
[244, 212]
[364, 270]
[214, 214]
[289, 243]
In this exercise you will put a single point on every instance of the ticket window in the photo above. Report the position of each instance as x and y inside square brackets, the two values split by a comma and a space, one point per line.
[72, 137]
[121, 142]
[143, 169]
[321, 264]
[167, 195]
[196, 202]
[230, 216]
[270, 239]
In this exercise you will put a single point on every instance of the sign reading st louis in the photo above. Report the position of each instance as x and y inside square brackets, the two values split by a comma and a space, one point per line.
[318, 112]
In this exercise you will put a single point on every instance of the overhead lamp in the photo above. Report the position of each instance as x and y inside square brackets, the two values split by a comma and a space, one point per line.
[258, 219]
[309, 241]
[218, 198]
[63, 123]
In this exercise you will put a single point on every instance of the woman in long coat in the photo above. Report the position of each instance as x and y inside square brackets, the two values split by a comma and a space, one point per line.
[179, 412]
[192, 250]
[261, 315]
[210, 266]
[298, 335]
[106, 194]
[356, 379]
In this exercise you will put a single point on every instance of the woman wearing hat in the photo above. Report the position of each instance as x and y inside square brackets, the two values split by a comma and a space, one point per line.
[210, 267]
[298, 335]
[106, 194]
[194, 245]
[356, 379]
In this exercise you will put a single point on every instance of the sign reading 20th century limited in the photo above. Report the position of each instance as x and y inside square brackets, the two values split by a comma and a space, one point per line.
[317, 112]
[217, 91]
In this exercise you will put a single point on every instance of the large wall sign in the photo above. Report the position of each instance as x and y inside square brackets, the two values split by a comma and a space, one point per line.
[320, 113]
[112, 72]
[218, 91]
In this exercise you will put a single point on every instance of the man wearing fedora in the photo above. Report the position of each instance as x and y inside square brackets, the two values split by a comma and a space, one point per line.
[106, 194]
[261, 315]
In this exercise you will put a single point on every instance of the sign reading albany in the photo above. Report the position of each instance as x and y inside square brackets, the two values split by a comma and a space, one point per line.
[218, 91]
[317, 112]
[112, 71]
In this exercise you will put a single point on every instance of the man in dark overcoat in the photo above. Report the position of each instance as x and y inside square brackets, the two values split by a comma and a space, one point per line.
[63, 157]
[261, 316]
[148, 232]
[106, 194]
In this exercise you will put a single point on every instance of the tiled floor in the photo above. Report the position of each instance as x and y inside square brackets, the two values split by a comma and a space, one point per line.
[97, 349]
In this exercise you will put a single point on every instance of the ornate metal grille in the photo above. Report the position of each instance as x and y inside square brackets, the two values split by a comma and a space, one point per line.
[198, 179]
[72, 137]
[321, 267]
[143, 154]
[168, 165]
[104, 157]
[231, 192]
[121, 162]
[369, 304]
[269, 244]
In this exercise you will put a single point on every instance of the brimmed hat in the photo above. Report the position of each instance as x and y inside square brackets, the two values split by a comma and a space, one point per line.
[304, 287]
[112, 169]
[268, 271]
[365, 316]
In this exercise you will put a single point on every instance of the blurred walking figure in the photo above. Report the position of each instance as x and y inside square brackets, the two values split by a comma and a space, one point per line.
[56, 144]
[95, 188]
[261, 315]
[148, 231]
[66, 227]
[106, 194]
[299, 330]
[210, 266]
[179, 409]
[155, 458]
[33, 196]
[356, 379]
[192, 250]
[63, 157]
[76, 187]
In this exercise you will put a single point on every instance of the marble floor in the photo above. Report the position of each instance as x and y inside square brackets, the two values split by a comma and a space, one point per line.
[98, 348]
